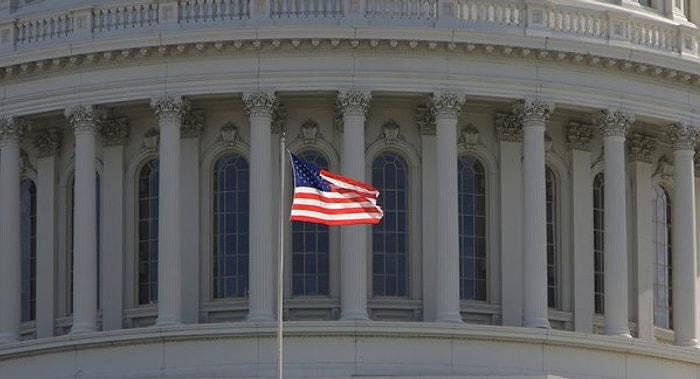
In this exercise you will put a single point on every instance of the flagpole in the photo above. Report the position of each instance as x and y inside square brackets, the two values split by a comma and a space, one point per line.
[280, 273]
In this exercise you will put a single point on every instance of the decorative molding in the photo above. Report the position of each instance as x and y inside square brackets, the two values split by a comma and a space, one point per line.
[664, 169]
[228, 134]
[391, 132]
[48, 142]
[614, 123]
[115, 131]
[696, 163]
[579, 136]
[682, 136]
[447, 105]
[469, 136]
[279, 117]
[548, 143]
[259, 104]
[509, 127]
[309, 131]
[25, 165]
[529, 110]
[84, 118]
[11, 130]
[353, 100]
[193, 124]
[151, 140]
[170, 109]
[425, 118]
[640, 148]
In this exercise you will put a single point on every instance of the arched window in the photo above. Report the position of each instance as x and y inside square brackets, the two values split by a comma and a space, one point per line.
[310, 247]
[552, 243]
[472, 228]
[98, 200]
[598, 242]
[390, 236]
[663, 300]
[28, 246]
[231, 227]
[148, 232]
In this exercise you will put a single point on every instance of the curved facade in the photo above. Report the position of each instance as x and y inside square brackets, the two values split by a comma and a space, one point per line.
[536, 162]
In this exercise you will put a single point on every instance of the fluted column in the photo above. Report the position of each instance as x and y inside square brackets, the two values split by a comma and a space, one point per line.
[684, 244]
[579, 137]
[114, 137]
[84, 122]
[533, 115]
[510, 137]
[10, 266]
[614, 126]
[169, 112]
[447, 107]
[260, 107]
[48, 143]
[353, 105]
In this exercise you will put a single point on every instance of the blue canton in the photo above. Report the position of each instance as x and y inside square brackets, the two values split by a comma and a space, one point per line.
[308, 175]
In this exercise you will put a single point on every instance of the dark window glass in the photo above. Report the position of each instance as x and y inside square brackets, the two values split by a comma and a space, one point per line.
[148, 233]
[663, 294]
[231, 218]
[552, 248]
[472, 228]
[390, 236]
[28, 246]
[598, 242]
[310, 247]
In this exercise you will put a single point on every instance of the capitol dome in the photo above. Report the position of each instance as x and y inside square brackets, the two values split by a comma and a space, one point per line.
[535, 161]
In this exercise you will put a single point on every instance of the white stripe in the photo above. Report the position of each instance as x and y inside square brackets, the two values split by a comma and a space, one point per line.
[338, 217]
[334, 206]
[335, 195]
[346, 185]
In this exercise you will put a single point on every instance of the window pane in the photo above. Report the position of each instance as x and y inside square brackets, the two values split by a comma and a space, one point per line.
[663, 300]
[598, 242]
[28, 248]
[472, 227]
[148, 232]
[552, 245]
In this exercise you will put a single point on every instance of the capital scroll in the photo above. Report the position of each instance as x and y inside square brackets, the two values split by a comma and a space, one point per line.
[614, 123]
[447, 105]
[48, 142]
[84, 118]
[353, 100]
[170, 109]
[260, 103]
[11, 130]
[682, 136]
[532, 110]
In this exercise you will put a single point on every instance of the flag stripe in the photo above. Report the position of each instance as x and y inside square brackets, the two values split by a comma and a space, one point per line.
[337, 219]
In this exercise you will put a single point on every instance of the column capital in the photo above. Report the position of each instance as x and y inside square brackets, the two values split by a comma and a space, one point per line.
[84, 118]
[614, 123]
[11, 130]
[170, 109]
[425, 118]
[115, 131]
[640, 148]
[193, 124]
[260, 103]
[682, 136]
[353, 100]
[508, 127]
[579, 136]
[528, 110]
[696, 163]
[447, 105]
[48, 142]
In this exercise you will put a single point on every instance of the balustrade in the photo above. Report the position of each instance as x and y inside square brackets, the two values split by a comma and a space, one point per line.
[306, 8]
[402, 9]
[491, 12]
[202, 11]
[120, 17]
[45, 28]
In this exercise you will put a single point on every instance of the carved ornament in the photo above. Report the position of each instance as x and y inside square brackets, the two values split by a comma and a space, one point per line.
[258, 104]
[614, 124]
[682, 136]
[579, 136]
[353, 100]
[447, 105]
[192, 124]
[664, 169]
[390, 132]
[151, 140]
[508, 127]
[425, 118]
[228, 134]
[469, 135]
[309, 131]
[84, 118]
[48, 142]
[170, 109]
[11, 131]
[640, 148]
[115, 131]
[532, 111]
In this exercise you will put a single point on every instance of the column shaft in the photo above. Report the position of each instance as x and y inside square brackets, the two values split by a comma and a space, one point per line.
[113, 240]
[45, 246]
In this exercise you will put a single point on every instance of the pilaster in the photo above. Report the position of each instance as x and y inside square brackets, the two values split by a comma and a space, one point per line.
[425, 119]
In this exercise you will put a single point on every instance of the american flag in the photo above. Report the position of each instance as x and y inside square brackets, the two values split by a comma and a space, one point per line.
[325, 198]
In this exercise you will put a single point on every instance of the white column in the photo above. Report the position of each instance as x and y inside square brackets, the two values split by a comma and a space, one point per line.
[169, 112]
[509, 131]
[640, 149]
[262, 274]
[114, 137]
[48, 143]
[191, 131]
[426, 124]
[614, 126]
[534, 114]
[447, 108]
[353, 104]
[579, 137]
[10, 266]
[84, 122]
[684, 262]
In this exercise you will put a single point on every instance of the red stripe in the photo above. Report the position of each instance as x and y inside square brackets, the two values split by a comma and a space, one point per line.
[348, 210]
[348, 180]
[313, 196]
[335, 222]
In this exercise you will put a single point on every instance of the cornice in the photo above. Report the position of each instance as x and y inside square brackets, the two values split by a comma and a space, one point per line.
[145, 54]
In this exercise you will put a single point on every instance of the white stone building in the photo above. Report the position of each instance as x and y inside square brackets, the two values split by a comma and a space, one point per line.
[536, 163]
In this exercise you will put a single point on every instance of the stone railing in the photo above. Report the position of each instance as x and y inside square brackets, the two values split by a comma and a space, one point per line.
[594, 22]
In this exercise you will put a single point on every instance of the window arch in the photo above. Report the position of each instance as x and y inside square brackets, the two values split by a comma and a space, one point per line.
[472, 228]
[599, 242]
[147, 235]
[310, 247]
[663, 253]
[551, 192]
[28, 246]
[231, 227]
[390, 237]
